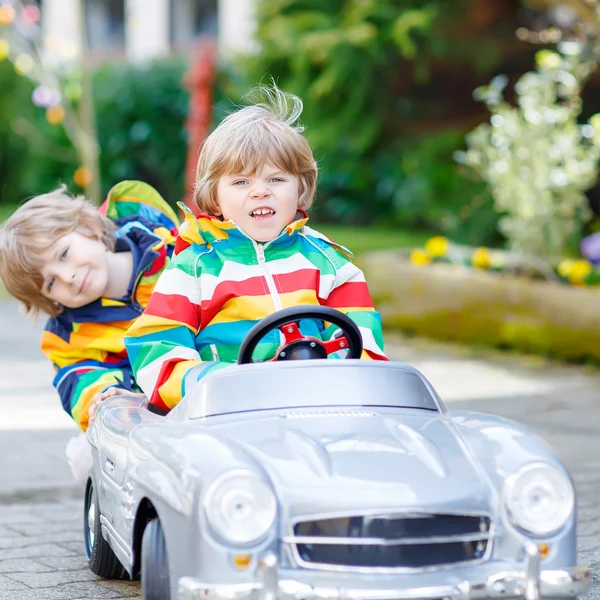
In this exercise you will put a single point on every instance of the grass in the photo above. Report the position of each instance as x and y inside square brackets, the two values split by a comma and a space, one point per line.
[364, 239]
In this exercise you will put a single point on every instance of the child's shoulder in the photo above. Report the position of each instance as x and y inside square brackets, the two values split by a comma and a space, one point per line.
[138, 199]
[325, 243]
[189, 257]
[198, 232]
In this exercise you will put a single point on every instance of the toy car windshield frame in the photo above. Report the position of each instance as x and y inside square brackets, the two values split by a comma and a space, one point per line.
[311, 384]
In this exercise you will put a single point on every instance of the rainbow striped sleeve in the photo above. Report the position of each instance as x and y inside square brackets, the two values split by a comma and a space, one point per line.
[81, 374]
[160, 343]
[351, 296]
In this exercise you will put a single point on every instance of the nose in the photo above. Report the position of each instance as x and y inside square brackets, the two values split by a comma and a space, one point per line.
[67, 274]
[260, 190]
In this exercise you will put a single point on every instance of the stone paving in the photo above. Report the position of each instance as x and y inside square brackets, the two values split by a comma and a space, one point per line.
[41, 538]
[41, 555]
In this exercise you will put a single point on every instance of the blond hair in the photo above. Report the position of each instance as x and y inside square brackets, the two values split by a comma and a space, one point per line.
[267, 132]
[32, 229]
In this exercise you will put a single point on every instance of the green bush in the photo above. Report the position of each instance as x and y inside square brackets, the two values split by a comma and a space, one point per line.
[361, 69]
[429, 190]
[12, 148]
[34, 155]
[16, 114]
[389, 180]
[140, 114]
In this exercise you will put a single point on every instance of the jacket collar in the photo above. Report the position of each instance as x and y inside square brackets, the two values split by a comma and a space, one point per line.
[205, 229]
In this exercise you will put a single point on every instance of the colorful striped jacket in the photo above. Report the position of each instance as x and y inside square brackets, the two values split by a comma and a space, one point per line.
[221, 283]
[86, 344]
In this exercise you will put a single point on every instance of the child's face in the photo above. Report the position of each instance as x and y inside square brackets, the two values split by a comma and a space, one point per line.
[76, 270]
[261, 204]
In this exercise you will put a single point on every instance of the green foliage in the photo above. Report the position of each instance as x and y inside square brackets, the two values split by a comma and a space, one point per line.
[140, 114]
[34, 155]
[537, 159]
[337, 56]
[430, 191]
[347, 59]
[370, 174]
[12, 147]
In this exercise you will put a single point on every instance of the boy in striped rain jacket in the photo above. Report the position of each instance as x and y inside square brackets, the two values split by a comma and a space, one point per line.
[248, 253]
[92, 271]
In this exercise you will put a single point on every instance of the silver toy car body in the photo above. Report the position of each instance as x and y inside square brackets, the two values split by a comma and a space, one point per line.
[327, 479]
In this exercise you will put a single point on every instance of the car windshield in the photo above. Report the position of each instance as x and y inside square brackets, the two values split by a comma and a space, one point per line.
[309, 384]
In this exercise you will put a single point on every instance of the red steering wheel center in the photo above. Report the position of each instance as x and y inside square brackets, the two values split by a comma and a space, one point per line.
[296, 345]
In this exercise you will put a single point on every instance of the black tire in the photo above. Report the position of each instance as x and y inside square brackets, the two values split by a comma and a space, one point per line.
[155, 565]
[101, 558]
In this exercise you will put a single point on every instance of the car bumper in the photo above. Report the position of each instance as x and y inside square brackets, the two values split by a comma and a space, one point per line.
[529, 583]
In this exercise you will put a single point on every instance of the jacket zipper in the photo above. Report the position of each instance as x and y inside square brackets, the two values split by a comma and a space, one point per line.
[260, 254]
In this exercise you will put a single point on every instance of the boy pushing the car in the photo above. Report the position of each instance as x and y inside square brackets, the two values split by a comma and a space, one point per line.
[91, 271]
[245, 255]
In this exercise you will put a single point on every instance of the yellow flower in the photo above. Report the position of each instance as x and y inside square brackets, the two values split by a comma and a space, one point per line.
[437, 246]
[579, 271]
[419, 258]
[547, 59]
[481, 258]
[4, 49]
[564, 267]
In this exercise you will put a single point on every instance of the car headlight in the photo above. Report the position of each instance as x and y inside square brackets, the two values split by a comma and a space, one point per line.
[540, 499]
[240, 507]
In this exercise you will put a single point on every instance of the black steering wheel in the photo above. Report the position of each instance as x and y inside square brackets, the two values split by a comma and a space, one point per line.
[297, 346]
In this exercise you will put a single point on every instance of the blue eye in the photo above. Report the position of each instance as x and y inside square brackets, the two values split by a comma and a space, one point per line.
[64, 253]
[49, 285]
[278, 179]
[239, 182]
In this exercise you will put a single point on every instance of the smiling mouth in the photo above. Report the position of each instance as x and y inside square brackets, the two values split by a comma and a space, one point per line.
[84, 282]
[264, 212]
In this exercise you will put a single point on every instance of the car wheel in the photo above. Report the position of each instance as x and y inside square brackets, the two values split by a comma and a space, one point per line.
[155, 566]
[101, 558]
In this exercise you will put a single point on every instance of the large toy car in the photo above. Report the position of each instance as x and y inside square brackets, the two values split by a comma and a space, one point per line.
[326, 479]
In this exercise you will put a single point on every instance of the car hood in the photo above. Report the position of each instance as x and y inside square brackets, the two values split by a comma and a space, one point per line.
[365, 458]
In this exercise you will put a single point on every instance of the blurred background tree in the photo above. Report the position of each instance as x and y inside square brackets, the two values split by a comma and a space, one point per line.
[540, 156]
[536, 158]
[387, 88]
[59, 72]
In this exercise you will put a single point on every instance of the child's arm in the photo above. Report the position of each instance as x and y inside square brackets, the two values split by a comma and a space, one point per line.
[82, 373]
[350, 295]
[161, 342]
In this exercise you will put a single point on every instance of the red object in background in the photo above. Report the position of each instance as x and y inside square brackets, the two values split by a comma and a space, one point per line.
[199, 82]
[31, 15]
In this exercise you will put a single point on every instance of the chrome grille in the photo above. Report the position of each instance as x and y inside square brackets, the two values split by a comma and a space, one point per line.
[392, 541]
